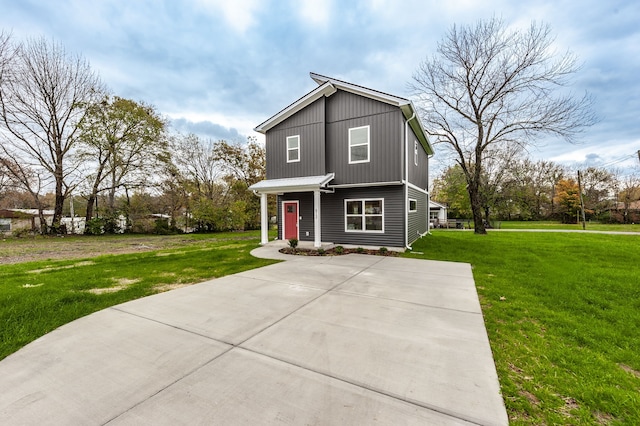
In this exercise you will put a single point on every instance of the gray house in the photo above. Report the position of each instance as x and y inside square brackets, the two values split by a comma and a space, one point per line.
[349, 165]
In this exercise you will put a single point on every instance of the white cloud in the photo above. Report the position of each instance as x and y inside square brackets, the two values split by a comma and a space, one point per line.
[239, 14]
[315, 12]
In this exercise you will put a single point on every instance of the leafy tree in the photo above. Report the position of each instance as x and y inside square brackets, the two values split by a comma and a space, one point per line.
[490, 87]
[44, 92]
[451, 189]
[568, 199]
[124, 141]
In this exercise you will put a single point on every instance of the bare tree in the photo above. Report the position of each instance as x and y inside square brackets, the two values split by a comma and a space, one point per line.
[43, 98]
[490, 87]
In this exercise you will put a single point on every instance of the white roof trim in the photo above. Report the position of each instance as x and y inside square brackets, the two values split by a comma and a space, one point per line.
[297, 184]
[326, 89]
[359, 90]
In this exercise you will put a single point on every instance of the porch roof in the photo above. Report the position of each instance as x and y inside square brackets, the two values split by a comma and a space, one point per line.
[296, 184]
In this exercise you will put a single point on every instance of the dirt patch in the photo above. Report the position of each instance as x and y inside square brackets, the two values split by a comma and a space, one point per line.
[603, 418]
[167, 287]
[57, 268]
[533, 400]
[37, 248]
[629, 370]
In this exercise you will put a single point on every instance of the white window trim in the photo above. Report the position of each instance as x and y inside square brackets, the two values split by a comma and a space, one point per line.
[368, 144]
[293, 149]
[363, 215]
[409, 206]
[415, 152]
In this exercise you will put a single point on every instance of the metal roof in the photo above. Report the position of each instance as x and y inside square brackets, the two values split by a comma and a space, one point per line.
[296, 184]
[328, 86]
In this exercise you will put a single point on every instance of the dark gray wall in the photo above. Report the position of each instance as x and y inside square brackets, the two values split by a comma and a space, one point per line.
[309, 124]
[417, 220]
[346, 110]
[418, 175]
[333, 218]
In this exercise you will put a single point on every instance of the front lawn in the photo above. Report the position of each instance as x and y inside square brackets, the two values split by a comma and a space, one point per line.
[37, 297]
[562, 311]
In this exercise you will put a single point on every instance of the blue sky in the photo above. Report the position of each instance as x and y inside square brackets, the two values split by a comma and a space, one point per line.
[219, 68]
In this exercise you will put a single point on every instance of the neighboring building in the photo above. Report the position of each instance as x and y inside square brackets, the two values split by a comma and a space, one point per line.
[14, 220]
[437, 214]
[349, 165]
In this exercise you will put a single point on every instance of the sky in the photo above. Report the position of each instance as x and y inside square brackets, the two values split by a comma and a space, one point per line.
[218, 68]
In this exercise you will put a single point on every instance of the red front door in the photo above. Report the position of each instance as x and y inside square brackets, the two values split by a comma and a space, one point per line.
[290, 220]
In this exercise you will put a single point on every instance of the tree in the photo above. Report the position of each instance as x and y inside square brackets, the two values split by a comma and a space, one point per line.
[123, 140]
[568, 199]
[450, 188]
[489, 88]
[43, 98]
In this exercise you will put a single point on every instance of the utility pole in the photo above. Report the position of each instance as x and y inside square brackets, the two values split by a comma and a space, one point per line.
[584, 221]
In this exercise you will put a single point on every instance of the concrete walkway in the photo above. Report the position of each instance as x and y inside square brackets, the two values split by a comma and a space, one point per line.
[345, 340]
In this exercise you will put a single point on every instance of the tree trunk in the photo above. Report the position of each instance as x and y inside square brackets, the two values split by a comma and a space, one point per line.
[476, 208]
[90, 202]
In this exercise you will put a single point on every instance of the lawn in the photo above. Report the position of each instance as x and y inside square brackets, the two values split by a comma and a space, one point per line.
[562, 312]
[591, 226]
[37, 297]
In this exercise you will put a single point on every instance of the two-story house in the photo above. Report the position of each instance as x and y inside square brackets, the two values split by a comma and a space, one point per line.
[349, 165]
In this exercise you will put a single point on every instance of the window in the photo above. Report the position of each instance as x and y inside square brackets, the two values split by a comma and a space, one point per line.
[415, 152]
[413, 205]
[364, 215]
[5, 225]
[293, 149]
[359, 145]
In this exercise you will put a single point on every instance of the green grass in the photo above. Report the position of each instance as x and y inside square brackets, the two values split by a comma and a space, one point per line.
[37, 297]
[591, 226]
[563, 316]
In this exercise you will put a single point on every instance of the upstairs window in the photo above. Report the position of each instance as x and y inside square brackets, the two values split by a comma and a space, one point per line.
[364, 215]
[293, 149]
[415, 152]
[359, 145]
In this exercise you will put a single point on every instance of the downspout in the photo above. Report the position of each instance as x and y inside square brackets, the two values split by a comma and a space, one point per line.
[406, 180]
[428, 199]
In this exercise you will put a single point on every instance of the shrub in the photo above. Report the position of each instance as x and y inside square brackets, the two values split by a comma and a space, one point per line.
[383, 250]
[94, 226]
[293, 243]
[360, 250]
[321, 251]
[339, 249]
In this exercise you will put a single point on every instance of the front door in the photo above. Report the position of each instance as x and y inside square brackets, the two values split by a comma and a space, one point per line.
[290, 219]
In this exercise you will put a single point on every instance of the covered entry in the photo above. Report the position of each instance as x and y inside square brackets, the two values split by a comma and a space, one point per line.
[315, 184]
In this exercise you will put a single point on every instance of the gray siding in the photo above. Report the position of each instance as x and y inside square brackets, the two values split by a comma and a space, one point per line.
[346, 110]
[417, 220]
[309, 124]
[333, 217]
[418, 175]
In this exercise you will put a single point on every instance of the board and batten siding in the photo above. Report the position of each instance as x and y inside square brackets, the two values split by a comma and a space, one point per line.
[333, 216]
[417, 224]
[309, 123]
[346, 110]
[418, 175]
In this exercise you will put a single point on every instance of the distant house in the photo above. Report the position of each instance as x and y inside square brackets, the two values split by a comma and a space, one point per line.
[437, 214]
[14, 220]
[349, 165]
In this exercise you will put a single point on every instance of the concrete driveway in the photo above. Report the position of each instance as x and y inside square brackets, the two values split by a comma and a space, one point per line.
[346, 340]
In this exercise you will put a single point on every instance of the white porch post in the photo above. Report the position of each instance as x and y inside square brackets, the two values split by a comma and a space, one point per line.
[264, 220]
[317, 241]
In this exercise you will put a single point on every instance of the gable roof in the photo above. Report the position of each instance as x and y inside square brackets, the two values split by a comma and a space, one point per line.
[328, 86]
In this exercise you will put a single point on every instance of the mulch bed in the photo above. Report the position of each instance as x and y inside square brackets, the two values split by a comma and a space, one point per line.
[334, 252]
